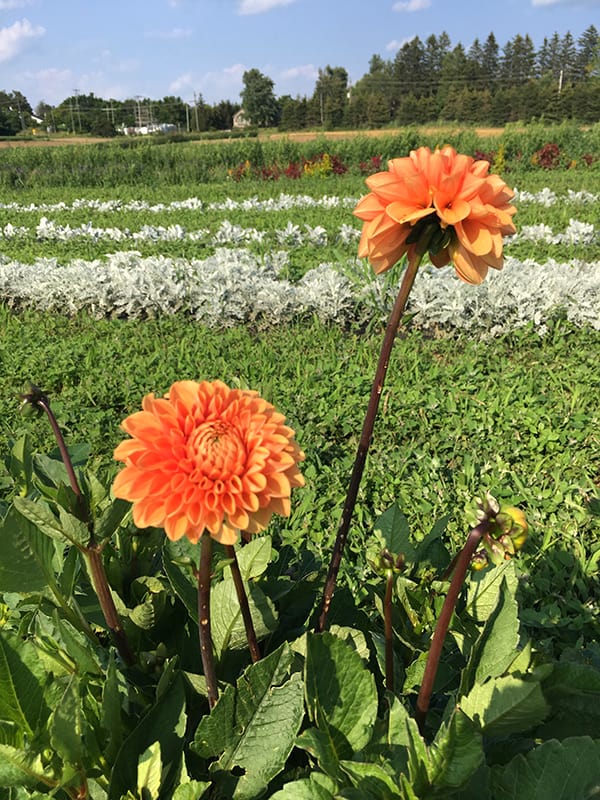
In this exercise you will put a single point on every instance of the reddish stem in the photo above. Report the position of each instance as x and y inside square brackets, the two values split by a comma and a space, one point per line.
[206, 644]
[365, 439]
[435, 651]
[243, 601]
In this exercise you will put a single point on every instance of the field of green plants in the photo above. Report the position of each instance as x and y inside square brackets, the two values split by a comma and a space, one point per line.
[127, 269]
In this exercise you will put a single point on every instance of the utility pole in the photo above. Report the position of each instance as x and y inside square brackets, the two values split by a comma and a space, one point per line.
[76, 93]
[196, 111]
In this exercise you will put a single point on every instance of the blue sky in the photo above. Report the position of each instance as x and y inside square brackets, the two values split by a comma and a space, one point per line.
[153, 48]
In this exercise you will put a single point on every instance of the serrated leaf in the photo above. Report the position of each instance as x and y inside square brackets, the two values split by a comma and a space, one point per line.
[18, 768]
[506, 705]
[254, 557]
[73, 528]
[456, 753]
[143, 616]
[371, 780]
[567, 770]
[192, 790]
[78, 648]
[253, 726]
[495, 648]
[149, 772]
[21, 685]
[341, 696]
[165, 723]
[67, 725]
[26, 555]
[393, 531]
[312, 788]
[110, 519]
[321, 747]
[484, 589]
[111, 710]
[227, 625]
[39, 513]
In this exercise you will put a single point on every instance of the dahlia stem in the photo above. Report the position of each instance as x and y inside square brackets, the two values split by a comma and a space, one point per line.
[365, 439]
[389, 633]
[441, 629]
[93, 559]
[243, 601]
[92, 553]
[206, 644]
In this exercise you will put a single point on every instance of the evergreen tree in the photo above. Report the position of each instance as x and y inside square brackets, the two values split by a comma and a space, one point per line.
[258, 99]
[331, 93]
[588, 53]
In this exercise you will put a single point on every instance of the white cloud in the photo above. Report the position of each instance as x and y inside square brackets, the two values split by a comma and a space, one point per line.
[303, 71]
[174, 33]
[396, 44]
[260, 6]
[411, 5]
[574, 3]
[13, 39]
[10, 5]
[181, 82]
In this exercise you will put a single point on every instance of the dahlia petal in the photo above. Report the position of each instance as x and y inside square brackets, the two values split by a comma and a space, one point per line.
[369, 207]
[469, 268]
[148, 512]
[474, 237]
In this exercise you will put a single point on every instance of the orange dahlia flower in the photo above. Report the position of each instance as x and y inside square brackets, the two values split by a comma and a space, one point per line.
[207, 457]
[442, 203]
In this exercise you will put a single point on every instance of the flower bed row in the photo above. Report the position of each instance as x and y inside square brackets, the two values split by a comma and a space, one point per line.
[234, 286]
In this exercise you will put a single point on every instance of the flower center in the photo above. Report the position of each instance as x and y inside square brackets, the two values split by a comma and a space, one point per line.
[217, 450]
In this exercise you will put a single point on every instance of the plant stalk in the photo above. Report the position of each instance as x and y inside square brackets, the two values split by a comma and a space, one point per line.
[93, 559]
[206, 644]
[389, 633]
[365, 438]
[92, 553]
[441, 629]
[243, 601]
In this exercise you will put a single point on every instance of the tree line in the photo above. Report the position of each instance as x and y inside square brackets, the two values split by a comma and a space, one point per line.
[426, 81]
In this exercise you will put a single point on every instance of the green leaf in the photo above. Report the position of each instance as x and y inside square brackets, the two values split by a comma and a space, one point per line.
[341, 696]
[39, 513]
[21, 682]
[78, 647]
[456, 753]
[567, 770]
[192, 790]
[181, 583]
[164, 722]
[18, 768]
[149, 772]
[393, 532]
[68, 725]
[321, 747]
[253, 726]
[26, 555]
[506, 705]
[484, 589]
[111, 711]
[254, 557]
[495, 649]
[316, 787]
[371, 780]
[227, 625]
[73, 528]
[110, 519]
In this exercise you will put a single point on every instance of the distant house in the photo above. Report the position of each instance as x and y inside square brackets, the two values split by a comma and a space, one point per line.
[240, 120]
